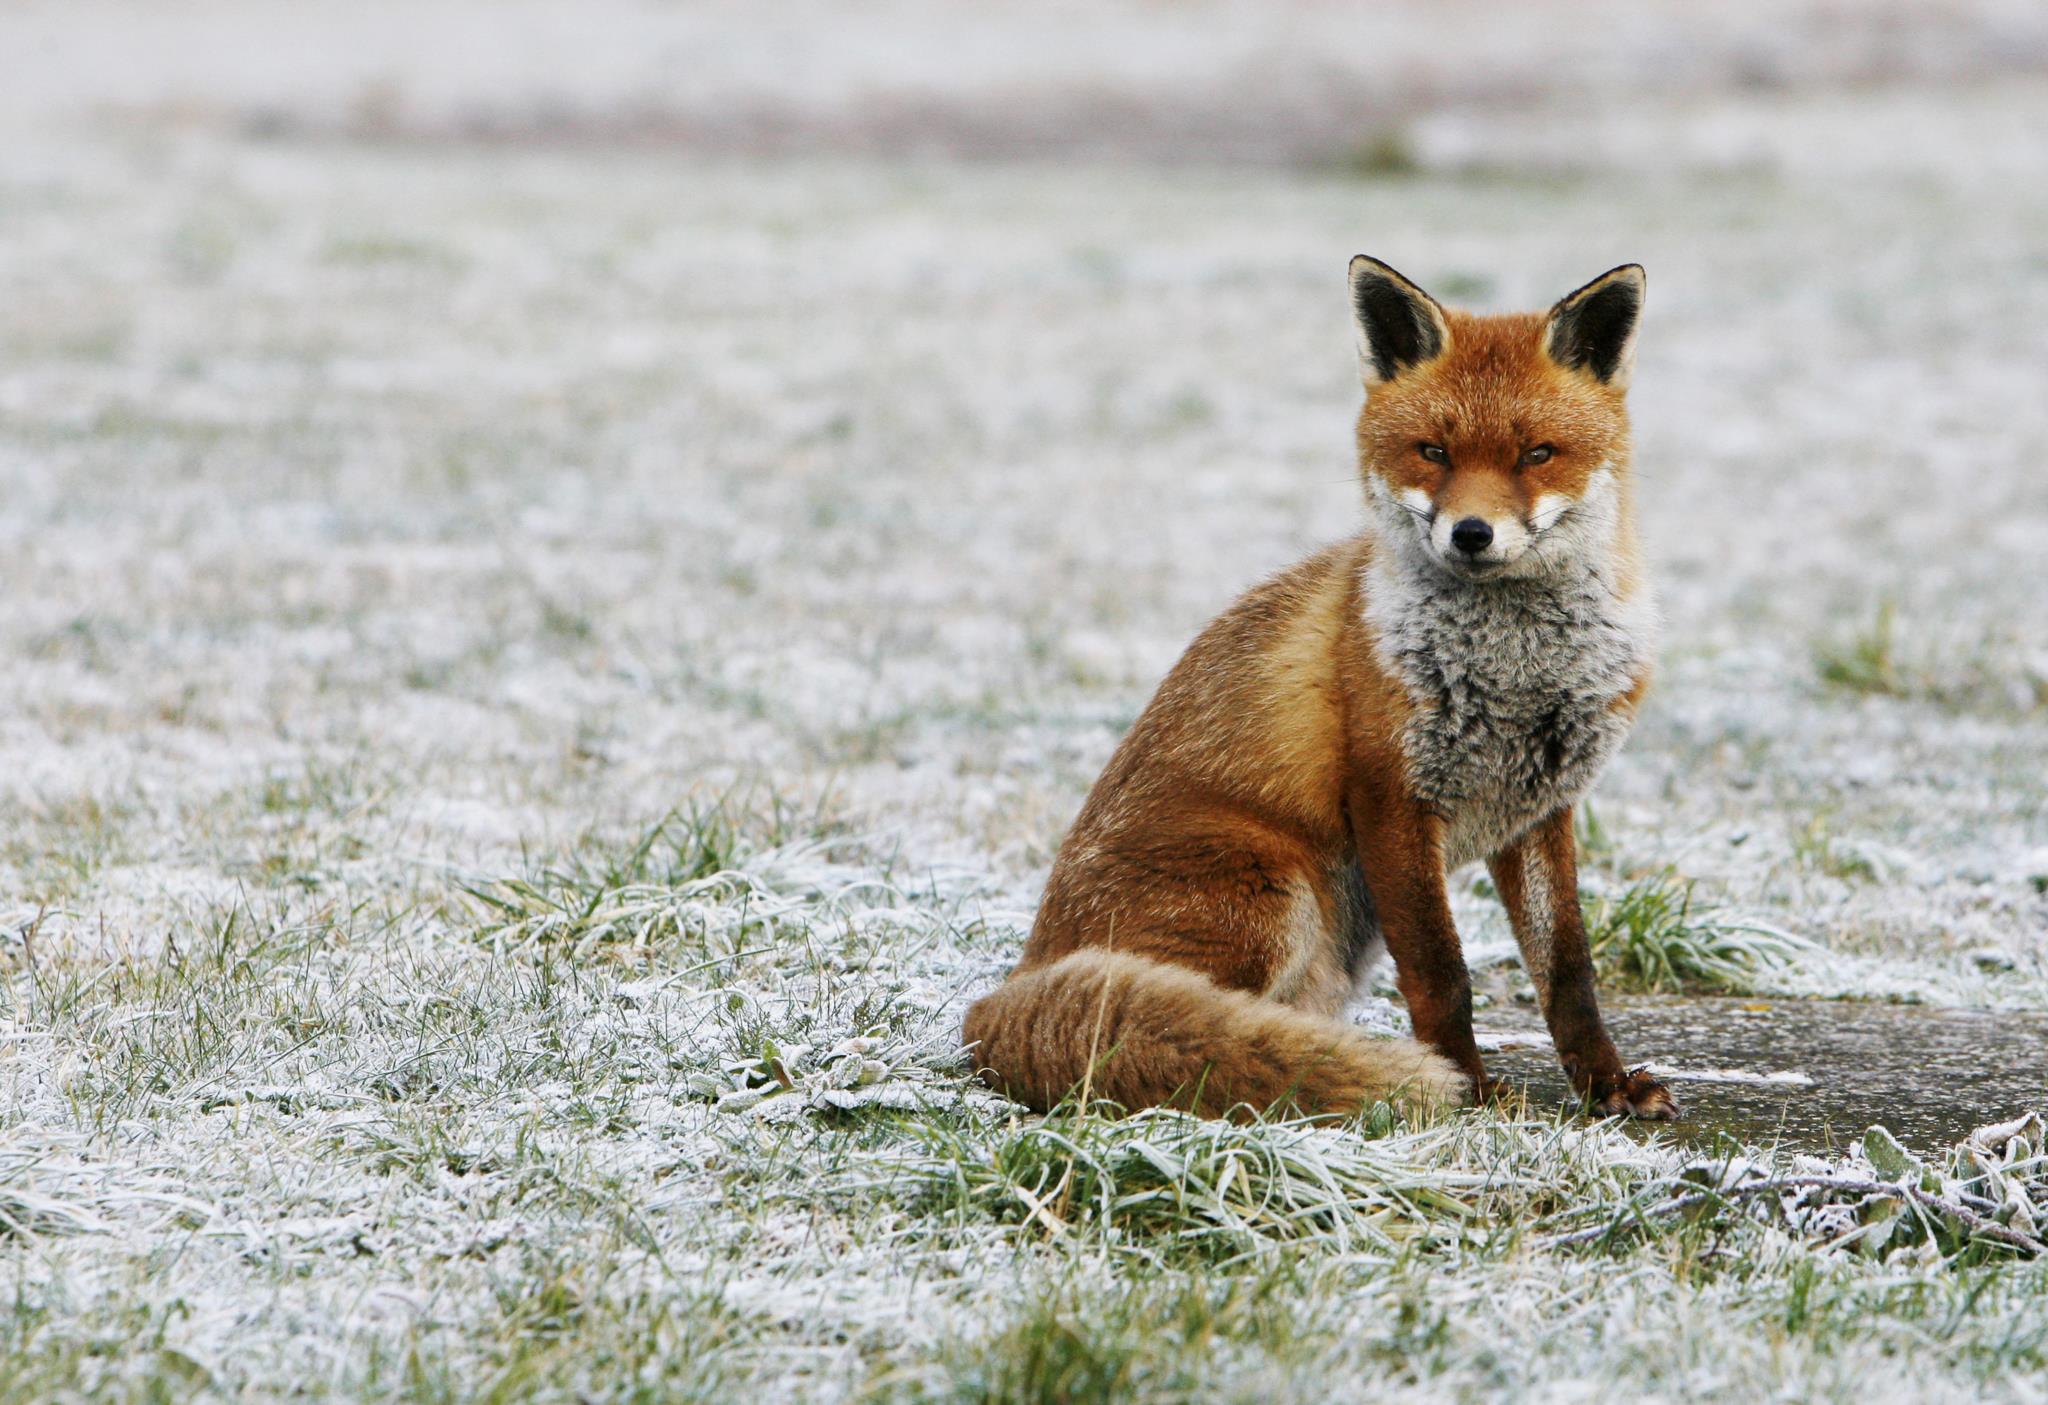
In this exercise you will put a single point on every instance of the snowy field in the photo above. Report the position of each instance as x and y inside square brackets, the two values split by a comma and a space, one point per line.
[563, 579]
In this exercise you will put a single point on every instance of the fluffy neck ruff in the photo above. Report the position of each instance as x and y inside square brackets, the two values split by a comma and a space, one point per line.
[1515, 679]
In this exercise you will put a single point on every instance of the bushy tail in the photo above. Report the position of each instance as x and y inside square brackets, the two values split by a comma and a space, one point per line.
[1159, 1035]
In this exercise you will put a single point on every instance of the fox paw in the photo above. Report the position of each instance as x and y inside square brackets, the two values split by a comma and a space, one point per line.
[1634, 1094]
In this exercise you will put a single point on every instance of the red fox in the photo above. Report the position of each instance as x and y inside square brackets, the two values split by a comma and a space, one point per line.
[1441, 688]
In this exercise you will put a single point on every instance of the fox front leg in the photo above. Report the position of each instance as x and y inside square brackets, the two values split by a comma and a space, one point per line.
[1538, 880]
[1400, 850]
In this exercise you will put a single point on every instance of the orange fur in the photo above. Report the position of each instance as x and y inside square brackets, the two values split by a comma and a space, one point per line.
[1143, 1032]
[1262, 825]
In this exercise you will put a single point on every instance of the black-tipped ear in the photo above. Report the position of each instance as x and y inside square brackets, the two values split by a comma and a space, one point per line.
[1594, 329]
[1399, 325]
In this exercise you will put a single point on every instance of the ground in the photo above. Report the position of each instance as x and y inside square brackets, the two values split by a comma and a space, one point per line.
[552, 641]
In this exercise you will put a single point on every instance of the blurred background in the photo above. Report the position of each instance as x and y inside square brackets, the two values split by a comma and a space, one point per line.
[429, 429]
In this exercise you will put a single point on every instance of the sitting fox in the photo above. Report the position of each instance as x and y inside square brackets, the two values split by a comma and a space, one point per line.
[1441, 688]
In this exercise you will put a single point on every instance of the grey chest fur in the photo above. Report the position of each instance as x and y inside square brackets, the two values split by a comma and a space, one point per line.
[1515, 684]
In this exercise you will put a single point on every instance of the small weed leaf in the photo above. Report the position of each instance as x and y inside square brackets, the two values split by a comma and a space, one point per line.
[1654, 936]
[1865, 662]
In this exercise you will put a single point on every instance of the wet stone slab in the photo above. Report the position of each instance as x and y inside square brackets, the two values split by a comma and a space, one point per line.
[1803, 1074]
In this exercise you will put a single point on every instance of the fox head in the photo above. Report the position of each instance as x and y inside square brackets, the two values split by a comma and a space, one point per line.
[1496, 447]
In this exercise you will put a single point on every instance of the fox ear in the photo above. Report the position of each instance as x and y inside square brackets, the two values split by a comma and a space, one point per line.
[1594, 329]
[1399, 325]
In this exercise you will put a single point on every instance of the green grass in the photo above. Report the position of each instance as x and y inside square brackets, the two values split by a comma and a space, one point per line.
[1159, 1182]
[1163, 1338]
[1997, 674]
[663, 891]
[1655, 935]
[1491, 1282]
[1816, 847]
[1386, 154]
[1865, 661]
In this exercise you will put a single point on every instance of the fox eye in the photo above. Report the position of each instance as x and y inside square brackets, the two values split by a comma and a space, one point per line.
[1435, 453]
[1540, 454]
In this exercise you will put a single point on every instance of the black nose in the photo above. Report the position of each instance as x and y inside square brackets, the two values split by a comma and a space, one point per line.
[1471, 536]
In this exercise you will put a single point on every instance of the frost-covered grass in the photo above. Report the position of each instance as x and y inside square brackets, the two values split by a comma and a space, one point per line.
[1654, 935]
[542, 677]
[443, 1152]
